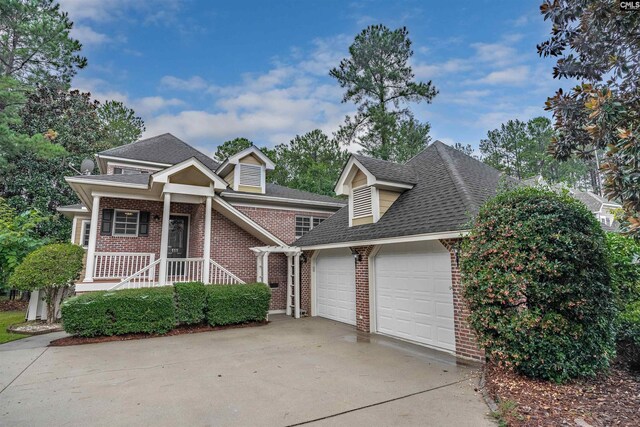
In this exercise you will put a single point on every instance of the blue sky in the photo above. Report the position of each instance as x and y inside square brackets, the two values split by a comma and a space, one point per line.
[210, 71]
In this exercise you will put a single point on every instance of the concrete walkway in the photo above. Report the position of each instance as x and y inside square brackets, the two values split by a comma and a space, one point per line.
[307, 371]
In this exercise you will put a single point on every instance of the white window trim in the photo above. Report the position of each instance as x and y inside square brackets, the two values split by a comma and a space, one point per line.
[84, 223]
[113, 225]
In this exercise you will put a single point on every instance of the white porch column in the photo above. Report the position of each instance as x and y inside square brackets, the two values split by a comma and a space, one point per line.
[164, 238]
[265, 268]
[207, 242]
[93, 234]
[289, 283]
[296, 281]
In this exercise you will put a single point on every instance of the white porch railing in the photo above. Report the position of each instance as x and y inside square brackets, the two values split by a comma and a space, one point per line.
[179, 270]
[116, 265]
[184, 270]
[220, 275]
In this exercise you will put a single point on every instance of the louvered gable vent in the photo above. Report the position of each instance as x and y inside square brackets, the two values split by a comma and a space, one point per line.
[250, 175]
[362, 202]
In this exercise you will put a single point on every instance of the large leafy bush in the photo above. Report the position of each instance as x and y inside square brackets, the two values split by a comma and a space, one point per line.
[51, 268]
[150, 310]
[536, 278]
[229, 304]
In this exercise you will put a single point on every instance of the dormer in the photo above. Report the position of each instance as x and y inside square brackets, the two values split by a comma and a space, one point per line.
[246, 171]
[372, 186]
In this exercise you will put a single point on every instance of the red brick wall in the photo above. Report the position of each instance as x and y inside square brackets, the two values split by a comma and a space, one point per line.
[280, 222]
[466, 342]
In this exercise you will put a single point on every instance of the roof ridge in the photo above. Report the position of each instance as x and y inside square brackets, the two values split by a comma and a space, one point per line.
[197, 151]
[458, 182]
[135, 142]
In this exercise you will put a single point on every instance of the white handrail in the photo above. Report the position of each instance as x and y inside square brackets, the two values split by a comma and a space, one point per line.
[220, 275]
[184, 270]
[145, 278]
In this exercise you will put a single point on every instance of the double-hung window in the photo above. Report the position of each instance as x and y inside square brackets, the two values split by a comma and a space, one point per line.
[84, 236]
[125, 223]
[304, 224]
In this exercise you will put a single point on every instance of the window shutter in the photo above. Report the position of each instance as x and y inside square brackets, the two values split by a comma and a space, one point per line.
[251, 175]
[362, 202]
[143, 224]
[107, 222]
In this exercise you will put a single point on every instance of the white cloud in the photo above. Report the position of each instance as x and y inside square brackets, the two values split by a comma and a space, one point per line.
[512, 76]
[497, 54]
[429, 71]
[88, 36]
[195, 83]
[493, 119]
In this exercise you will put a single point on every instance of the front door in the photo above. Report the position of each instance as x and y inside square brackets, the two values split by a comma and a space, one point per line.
[177, 248]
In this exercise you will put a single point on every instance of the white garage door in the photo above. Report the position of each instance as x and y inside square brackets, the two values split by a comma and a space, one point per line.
[336, 286]
[414, 300]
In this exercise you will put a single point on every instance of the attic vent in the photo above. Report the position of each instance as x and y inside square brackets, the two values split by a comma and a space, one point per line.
[362, 202]
[251, 175]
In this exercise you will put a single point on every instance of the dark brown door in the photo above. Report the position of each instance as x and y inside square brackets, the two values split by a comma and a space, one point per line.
[178, 235]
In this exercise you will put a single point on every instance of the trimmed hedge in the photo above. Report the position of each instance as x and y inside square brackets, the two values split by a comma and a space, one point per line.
[536, 279]
[191, 300]
[158, 310]
[120, 312]
[229, 304]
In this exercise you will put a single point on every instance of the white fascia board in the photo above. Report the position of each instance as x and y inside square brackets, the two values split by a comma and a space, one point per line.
[163, 175]
[74, 210]
[390, 184]
[77, 180]
[126, 196]
[348, 174]
[188, 189]
[133, 161]
[261, 197]
[389, 240]
[292, 207]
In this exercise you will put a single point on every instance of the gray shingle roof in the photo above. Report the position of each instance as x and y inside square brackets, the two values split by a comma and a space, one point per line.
[275, 190]
[164, 148]
[450, 189]
[388, 171]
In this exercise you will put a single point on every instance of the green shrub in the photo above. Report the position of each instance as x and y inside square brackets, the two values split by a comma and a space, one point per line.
[191, 300]
[52, 268]
[536, 279]
[229, 304]
[150, 310]
[629, 334]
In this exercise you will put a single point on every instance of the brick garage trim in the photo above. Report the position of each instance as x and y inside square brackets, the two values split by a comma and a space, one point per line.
[466, 341]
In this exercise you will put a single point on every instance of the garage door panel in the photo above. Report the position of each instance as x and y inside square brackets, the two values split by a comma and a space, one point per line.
[335, 286]
[414, 299]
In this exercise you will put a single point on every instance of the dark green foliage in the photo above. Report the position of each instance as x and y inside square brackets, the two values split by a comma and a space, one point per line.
[230, 304]
[191, 300]
[149, 310]
[624, 256]
[595, 42]
[536, 278]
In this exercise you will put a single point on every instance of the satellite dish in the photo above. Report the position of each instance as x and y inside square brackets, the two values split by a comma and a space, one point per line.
[87, 166]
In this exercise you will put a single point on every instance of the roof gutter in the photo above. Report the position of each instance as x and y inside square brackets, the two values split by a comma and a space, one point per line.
[388, 240]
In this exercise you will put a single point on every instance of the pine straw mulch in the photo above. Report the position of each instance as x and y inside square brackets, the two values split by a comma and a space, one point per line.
[180, 330]
[611, 399]
[13, 305]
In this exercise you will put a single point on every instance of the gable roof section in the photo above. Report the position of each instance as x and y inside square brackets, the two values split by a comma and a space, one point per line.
[450, 189]
[163, 149]
[235, 159]
[164, 175]
[384, 170]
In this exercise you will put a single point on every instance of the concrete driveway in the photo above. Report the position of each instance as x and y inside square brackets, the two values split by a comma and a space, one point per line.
[308, 371]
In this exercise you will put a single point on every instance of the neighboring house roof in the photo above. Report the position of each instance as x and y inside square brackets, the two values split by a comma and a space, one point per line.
[450, 187]
[163, 149]
[388, 171]
[593, 201]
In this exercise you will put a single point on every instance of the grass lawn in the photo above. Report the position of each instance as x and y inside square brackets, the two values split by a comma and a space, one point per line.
[8, 318]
